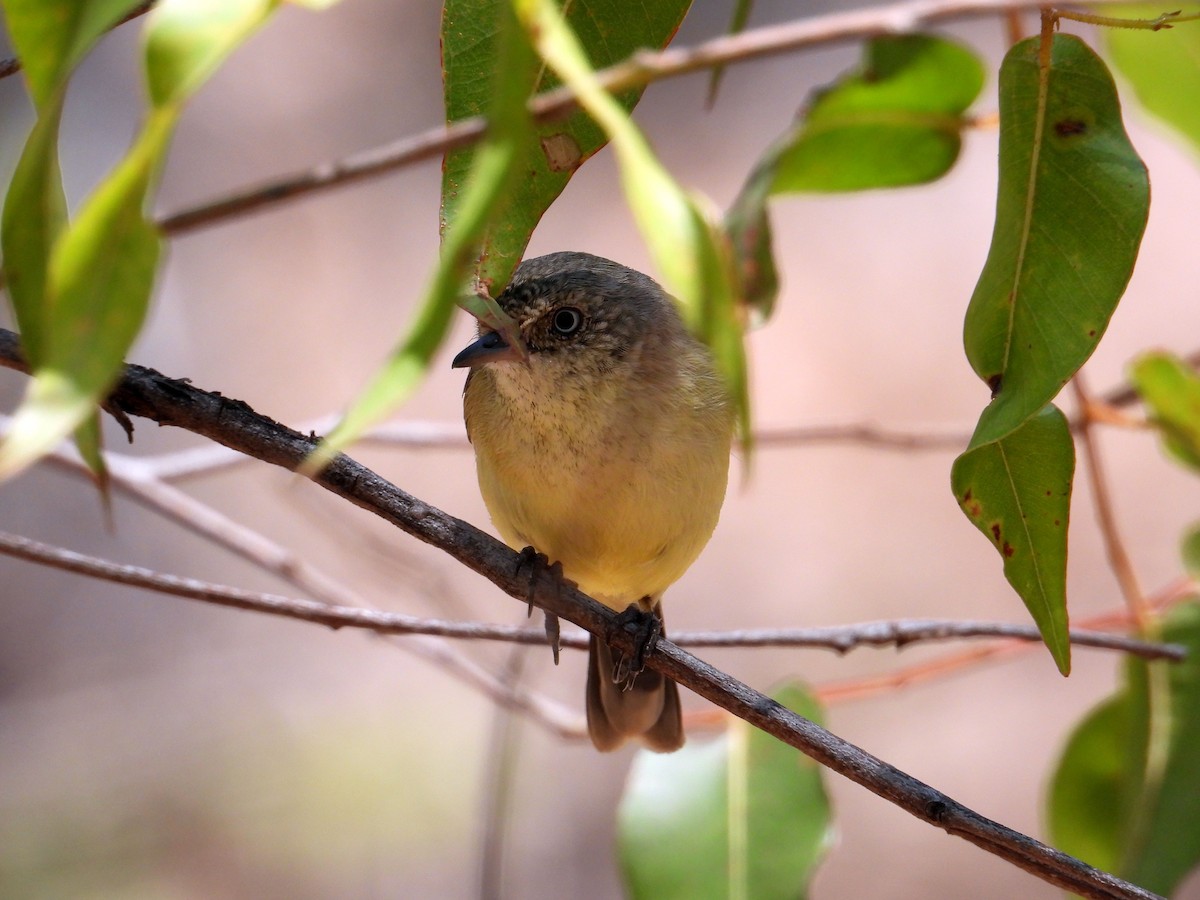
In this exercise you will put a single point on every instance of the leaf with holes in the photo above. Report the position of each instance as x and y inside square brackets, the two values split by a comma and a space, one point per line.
[1017, 491]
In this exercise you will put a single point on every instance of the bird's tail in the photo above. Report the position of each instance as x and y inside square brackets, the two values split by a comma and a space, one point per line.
[647, 709]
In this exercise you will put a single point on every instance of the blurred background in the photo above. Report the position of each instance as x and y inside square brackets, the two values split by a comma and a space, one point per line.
[154, 747]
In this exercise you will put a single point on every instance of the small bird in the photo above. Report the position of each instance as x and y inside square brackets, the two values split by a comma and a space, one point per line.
[605, 446]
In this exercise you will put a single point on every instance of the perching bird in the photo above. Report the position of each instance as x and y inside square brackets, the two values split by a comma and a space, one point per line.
[606, 448]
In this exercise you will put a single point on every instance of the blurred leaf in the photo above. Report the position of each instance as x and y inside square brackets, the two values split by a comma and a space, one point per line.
[188, 39]
[1163, 67]
[35, 214]
[1124, 794]
[1190, 551]
[748, 224]
[1071, 208]
[1170, 389]
[689, 251]
[741, 816]
[494, 166]
[82, 290]
[1085, 804]
[897, 120]
[737, 24]
[553, 151]
[52, 36]
[1017, 491]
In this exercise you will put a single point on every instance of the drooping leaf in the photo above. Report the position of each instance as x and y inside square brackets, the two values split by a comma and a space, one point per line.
[495, 163]
[1070, 211]
[740, 816]
[1170, 389]
[1017, 491]
[894, 121]
[897, 120]
[1123, 796]
[1163, 67]
[82, 291]
[689, 251]
[553, 151]
[1071, 207]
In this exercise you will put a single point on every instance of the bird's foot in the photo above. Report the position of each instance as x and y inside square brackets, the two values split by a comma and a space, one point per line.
[646, 628]
[538, 564]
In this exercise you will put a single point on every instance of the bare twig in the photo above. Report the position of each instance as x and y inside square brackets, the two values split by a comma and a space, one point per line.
[860, 688]
[143, 392]
[644, 67]
[841, 638]
[1114, 545]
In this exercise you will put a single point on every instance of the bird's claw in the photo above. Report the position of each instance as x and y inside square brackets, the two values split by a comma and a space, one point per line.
[538, 563]
[646, 629]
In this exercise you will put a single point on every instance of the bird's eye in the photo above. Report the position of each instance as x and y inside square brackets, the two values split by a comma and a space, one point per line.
[566, 321]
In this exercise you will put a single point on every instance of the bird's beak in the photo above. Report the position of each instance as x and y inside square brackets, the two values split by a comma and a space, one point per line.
[490, 348]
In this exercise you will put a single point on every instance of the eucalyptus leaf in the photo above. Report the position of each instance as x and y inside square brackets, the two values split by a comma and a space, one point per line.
[689, 250]
[897, 120]
[1170, 389]
[1071, 208]
[494, 166]
[81, 290]
[1017, 491]
[1163, 67]
[609, 32]
[740, 816]
[1123, 796]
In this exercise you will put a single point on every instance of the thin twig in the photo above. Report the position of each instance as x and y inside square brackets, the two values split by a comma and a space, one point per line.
[860, 688]
[641, 69]
[143, 392]
[1114, 545]
[841, 639]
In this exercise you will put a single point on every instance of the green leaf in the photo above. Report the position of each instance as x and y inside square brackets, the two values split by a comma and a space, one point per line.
[188, 39]
[553, 150]
[1163, 67]
[494, 165]
[1190, 551]
[1086, 801]
[1170, 389]
[35, 214]
[1071, 208]
[1017, 491]
[690, 253]
[741, 816]
[1123, 796]
[897, 120]
[81, 291]
[52, 36]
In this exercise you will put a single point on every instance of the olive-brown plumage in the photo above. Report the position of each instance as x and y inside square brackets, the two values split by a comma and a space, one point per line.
[607, 449]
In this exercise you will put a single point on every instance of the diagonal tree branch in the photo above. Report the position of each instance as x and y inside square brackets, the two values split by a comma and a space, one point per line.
[146, 393]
